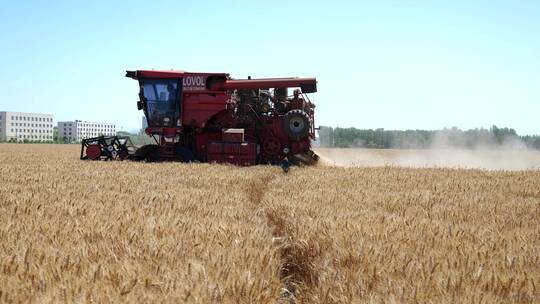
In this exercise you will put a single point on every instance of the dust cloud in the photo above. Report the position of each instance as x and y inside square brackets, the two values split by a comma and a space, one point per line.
[489, 159]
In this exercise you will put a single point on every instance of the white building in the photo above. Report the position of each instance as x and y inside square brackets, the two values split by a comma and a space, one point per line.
[144, 123]
[19, 126]
[74, 131]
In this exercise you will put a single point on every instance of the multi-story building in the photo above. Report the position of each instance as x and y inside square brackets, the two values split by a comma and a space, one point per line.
[75, 131]
[144, 123]
[19, 126]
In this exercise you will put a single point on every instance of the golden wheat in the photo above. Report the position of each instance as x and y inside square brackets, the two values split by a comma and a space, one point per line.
[80, 231]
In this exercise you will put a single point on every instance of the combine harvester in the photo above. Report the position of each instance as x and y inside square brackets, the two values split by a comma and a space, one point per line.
[210, 117]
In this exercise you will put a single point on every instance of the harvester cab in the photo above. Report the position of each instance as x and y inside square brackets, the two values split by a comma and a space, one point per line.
[211, 117]
[160, 99]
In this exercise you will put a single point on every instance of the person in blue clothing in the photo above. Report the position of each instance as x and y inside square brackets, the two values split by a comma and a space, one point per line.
[172, 93]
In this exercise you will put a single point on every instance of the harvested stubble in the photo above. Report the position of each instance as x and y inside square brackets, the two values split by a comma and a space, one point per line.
[133, 232]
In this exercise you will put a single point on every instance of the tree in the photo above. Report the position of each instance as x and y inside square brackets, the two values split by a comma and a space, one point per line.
[423, 139]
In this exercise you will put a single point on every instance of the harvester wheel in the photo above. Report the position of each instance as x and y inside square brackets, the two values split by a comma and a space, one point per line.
[296, 124]
[147, 152]
[93, 151]
[123, 153]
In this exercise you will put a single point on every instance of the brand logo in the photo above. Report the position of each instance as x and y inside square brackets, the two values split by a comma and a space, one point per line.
[194, 82]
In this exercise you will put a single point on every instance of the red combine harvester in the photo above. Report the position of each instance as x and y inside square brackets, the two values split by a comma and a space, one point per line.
[211, 117]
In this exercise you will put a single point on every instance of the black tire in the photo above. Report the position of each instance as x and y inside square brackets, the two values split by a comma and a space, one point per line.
[147, 152]
[296, 124]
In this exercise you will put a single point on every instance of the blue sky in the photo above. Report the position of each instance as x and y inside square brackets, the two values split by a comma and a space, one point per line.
[392, 65]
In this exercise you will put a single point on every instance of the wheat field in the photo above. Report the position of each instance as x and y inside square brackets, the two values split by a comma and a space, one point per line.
[81, 231]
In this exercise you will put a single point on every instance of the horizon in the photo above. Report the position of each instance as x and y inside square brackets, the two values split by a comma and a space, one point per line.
[134, 130]
[415, 66]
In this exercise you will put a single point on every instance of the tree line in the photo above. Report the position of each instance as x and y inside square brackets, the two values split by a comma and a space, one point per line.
[493, 137]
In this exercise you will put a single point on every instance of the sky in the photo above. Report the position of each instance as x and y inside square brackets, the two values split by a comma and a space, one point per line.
[379, 64]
